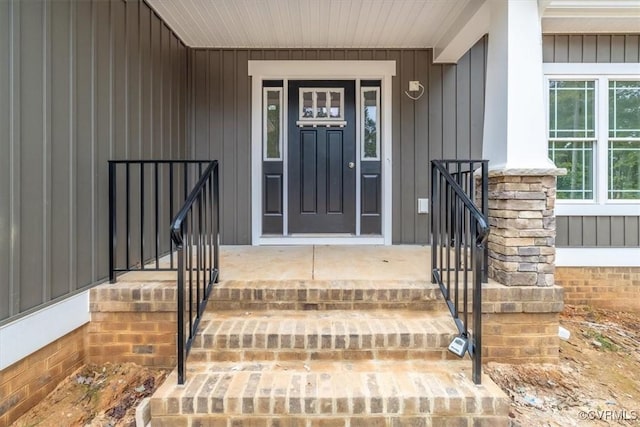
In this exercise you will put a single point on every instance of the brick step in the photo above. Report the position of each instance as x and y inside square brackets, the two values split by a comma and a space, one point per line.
[327, 335]
[325, 295]
[363, 393]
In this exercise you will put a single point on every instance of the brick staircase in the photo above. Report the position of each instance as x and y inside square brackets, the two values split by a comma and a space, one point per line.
[345, 353]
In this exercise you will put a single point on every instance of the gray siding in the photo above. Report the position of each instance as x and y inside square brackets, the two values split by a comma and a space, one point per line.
[592, 231]
[446, 122]
[80, 83]
[591, 48]
[598, 231]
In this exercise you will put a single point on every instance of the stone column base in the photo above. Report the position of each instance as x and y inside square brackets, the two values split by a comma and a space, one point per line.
[523, 226]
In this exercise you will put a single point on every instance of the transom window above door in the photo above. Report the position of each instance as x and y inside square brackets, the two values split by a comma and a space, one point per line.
[321, 106]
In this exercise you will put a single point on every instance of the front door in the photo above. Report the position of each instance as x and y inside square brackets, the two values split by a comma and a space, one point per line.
[322, 157]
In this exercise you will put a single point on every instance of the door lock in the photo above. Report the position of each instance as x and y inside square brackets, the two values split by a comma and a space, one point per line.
[351, 165]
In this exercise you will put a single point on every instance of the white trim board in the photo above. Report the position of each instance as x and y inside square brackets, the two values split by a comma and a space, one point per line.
[592, 209]
[318, 70]
[315, 240]
[28, 334]
[598, 257]
[591, 69]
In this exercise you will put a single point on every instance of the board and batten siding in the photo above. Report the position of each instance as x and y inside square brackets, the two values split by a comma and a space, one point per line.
[445, 123]
[594, 231]
[81, 82]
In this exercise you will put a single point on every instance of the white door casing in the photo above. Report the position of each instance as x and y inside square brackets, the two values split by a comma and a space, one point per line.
[319, 70]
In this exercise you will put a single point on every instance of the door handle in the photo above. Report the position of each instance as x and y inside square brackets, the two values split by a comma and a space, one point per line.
[351, 165]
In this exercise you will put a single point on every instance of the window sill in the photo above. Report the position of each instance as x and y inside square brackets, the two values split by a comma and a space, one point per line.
[593, 209]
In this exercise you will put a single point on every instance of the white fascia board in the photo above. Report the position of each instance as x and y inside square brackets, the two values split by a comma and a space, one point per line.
[471, 26]
[593, 209]
[591, 25]
[597, 257]
[30, 333]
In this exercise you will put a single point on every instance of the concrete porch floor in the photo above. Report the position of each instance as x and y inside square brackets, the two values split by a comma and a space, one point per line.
[313, 262]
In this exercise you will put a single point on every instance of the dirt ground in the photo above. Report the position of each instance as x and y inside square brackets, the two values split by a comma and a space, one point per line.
[96, 396]
[596, 383]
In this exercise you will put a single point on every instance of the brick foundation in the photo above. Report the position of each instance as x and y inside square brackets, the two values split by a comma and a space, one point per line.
[133, 322]
[614, 288]
[520, 324]
[28, 381]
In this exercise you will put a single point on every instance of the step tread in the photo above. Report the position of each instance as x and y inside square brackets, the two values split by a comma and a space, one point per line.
[338, 388]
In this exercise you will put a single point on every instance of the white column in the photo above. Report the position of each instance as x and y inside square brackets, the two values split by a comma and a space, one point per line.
[514, 121]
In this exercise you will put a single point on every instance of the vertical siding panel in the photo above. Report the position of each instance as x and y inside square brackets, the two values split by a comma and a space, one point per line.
[32, 153]
[562, 231]
[478, 58]
[463, 107]
[617, 231]
[632, 48]
[421, 159]
[215, 103]
[201, 105]
[84, 143]
[603, 231]
[147, 144]
[588, 231]
[243, 165]
[133, 80]
[603, 49]
[548, 43]
[6, 64]
[396, 197]
[174, 89]
[407, 151]
[228, 180]
[589, 48]
[103, 134]
[435, 112]
[575, 49]
[449, 111]
[47, 151]
[166, 74]
[575, 234]
[632, 231]
[617, 48]
[561, 49]
[163, 150]
[119, 77]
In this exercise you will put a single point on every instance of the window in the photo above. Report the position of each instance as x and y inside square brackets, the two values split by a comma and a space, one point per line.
[572, 136]
[272, 123]
[324, 104]
[370, 135]
[624, 140]
[594, 132]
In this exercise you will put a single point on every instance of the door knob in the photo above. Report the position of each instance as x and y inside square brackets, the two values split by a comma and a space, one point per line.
[351, 165]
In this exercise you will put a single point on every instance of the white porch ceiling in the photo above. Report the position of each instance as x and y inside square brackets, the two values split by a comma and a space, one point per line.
[364, 23]
[309, 23]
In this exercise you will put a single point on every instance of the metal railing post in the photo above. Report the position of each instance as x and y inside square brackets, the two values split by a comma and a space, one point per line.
[112, 222]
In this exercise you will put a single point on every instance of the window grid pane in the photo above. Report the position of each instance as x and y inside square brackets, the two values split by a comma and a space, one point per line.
[624, 169]
[577, 158]
[571, 109]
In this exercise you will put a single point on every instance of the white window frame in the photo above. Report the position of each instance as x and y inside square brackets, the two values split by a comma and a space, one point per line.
[601, 74]
[265, 157]
[364, 89]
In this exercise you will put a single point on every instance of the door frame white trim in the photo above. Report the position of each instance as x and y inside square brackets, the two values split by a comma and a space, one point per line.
[318, 70]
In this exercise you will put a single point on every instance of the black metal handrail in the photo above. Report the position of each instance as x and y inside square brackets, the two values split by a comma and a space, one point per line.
[459, 233]
[143, 198]
[195, 233]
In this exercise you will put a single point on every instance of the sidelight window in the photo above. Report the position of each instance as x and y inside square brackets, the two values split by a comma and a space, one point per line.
[272, 123]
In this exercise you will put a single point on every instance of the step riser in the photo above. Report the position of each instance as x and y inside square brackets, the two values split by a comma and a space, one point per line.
[307, 421]
[305, 356]
[329, 296]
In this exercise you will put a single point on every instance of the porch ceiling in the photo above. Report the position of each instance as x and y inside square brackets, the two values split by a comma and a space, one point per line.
[365, 23]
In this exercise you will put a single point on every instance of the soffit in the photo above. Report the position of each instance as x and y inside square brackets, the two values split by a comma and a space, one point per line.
[326, 24]
[309, 23]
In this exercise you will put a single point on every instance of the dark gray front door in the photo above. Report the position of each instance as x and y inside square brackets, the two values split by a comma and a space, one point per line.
[321, 166]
